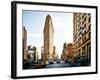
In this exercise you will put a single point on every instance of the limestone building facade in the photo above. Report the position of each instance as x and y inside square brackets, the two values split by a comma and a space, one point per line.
[48, 38]
[24, 39]
[67, 52]
[82, 35]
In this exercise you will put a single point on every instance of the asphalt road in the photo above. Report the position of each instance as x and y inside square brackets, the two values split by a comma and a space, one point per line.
[57, 65]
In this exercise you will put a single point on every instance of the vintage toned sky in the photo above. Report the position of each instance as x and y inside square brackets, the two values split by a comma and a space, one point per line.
[62, 24]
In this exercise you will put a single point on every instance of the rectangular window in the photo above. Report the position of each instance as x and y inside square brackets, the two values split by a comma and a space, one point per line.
[89, 19]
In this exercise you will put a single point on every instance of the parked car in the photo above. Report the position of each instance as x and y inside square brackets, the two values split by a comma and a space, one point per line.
[55, 62]
[61, 61]
[51, 61]
[70, 61]
[58, 60]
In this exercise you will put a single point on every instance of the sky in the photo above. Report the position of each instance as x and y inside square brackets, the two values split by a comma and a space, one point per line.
[34, 22]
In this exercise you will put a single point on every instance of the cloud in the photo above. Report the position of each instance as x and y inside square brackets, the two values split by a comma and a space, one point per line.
[57, 22]
[62, 22]
[34, 35]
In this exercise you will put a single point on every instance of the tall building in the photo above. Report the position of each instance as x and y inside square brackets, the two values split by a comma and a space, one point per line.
[42, 53]
[54, 54]
[24, 34]
[67, 52]
[64, 52]
[70, 51]
[33, 54]
[48, 38]
[82, 35]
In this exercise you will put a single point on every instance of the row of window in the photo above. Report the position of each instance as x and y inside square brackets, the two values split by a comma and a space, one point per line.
[88, 36]
[85, 19]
